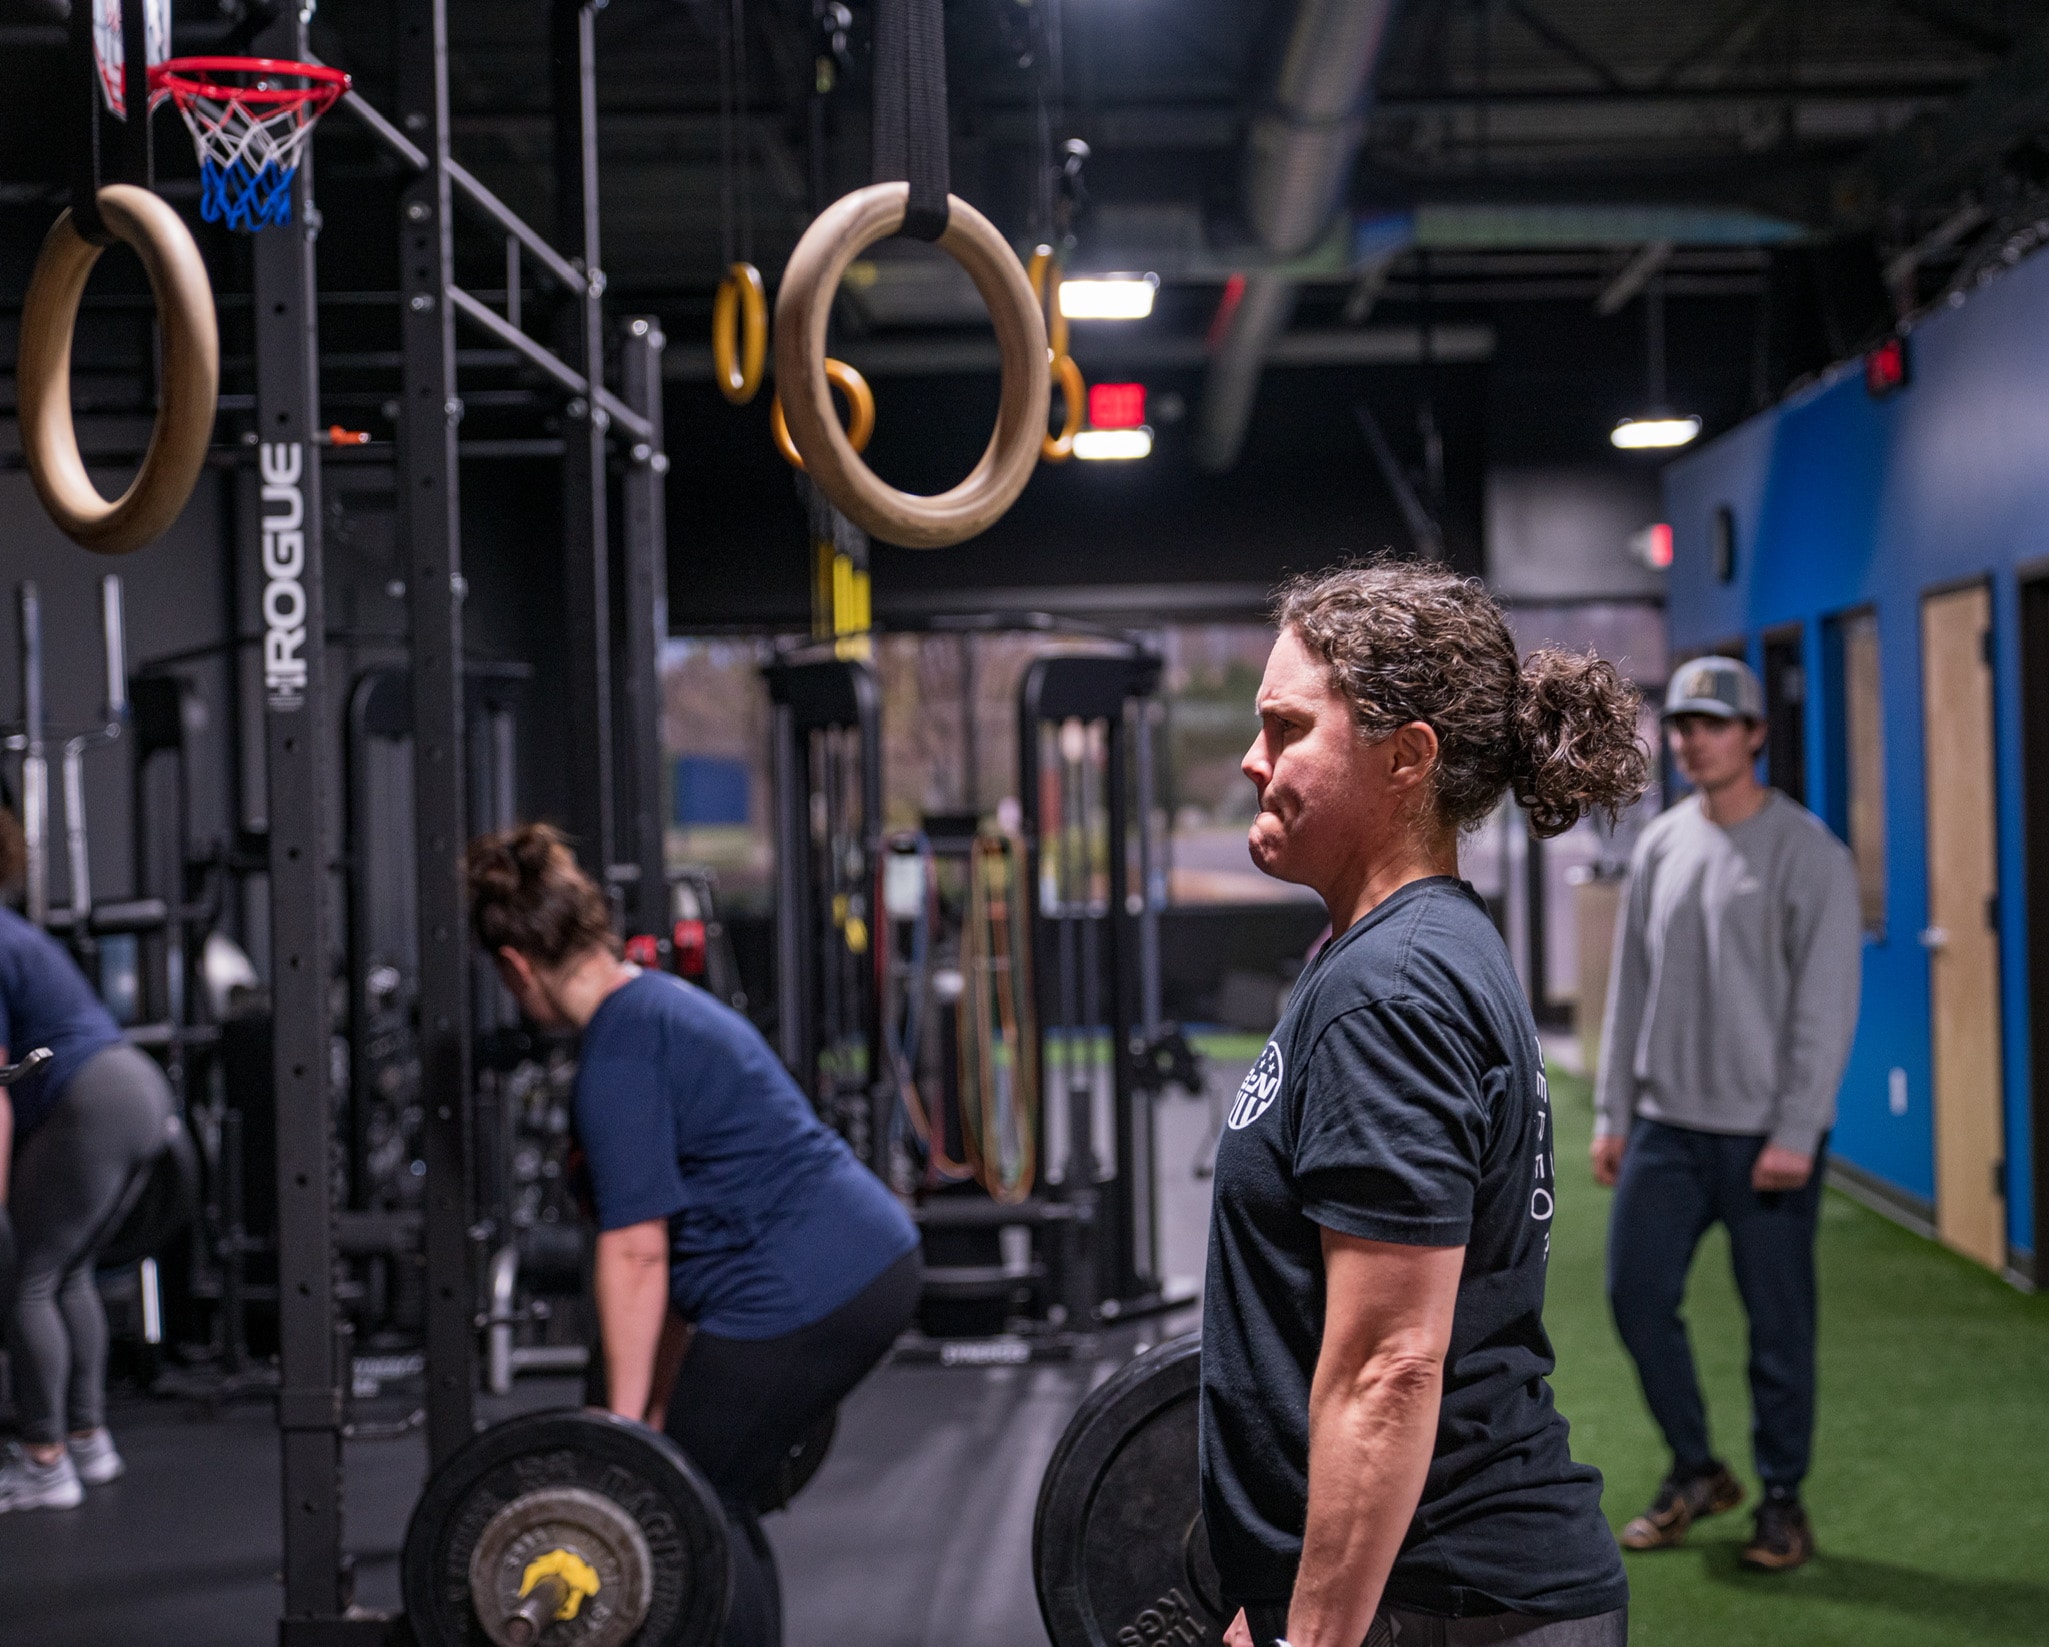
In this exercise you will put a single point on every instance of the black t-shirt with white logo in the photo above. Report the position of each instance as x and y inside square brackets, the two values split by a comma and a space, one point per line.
[1401, 1099]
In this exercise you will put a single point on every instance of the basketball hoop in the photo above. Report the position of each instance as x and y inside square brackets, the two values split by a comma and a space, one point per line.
[249, 118]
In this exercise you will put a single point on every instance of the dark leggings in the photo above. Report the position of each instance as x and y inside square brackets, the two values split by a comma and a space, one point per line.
[740, 1404]
[71, 1182]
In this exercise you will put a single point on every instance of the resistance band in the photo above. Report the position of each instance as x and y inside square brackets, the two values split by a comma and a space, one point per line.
[999, 1038]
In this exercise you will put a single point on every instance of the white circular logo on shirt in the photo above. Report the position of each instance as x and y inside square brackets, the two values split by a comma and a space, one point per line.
[1258, 1090]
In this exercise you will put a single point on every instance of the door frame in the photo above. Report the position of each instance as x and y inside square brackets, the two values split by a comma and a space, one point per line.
[1987, 582]
[2033, 661]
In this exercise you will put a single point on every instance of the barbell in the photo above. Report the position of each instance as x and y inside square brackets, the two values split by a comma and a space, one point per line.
[29, 1063]
[578, 1526]
[579, 1529]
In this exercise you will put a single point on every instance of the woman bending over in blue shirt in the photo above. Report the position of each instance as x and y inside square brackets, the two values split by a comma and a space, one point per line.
[75, 1136]
[719, 1195]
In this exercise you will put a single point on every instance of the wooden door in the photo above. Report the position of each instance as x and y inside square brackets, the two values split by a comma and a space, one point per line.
[1962, 937]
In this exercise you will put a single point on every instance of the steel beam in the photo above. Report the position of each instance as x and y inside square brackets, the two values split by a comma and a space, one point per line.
[429, 520]
[1924, 159]
[586, 549]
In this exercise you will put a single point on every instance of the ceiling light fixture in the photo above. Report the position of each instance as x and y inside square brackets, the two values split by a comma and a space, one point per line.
[1116, 444]
[1660, 427]
[1638, 434]
[1109, 297]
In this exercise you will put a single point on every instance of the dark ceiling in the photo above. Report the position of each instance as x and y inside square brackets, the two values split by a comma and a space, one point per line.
[1794, 177]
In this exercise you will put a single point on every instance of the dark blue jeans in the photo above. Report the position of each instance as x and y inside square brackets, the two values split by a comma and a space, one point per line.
[1675, 1183]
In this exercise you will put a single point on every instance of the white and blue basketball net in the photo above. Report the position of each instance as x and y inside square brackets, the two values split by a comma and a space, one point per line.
[248, 153]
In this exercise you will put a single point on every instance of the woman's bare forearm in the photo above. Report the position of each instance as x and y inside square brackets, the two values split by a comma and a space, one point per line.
[1371, 1435]
[631, 1282]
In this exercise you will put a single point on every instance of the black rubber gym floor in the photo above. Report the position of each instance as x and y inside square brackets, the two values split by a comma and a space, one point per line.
[917, 1531]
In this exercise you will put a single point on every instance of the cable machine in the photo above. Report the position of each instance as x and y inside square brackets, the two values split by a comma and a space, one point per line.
[1092, 860]
[827, 773]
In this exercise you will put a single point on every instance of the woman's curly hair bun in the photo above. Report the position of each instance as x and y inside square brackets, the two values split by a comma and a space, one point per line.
[1415, 642]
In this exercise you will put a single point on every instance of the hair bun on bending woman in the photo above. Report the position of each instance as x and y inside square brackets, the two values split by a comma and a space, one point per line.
[1412, 641]
[1576, 744]
[528, 893]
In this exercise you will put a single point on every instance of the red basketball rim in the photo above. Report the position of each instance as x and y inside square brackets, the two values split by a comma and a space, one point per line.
[183, 77]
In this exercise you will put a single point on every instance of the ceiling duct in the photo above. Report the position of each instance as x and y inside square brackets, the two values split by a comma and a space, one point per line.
[1298, 160]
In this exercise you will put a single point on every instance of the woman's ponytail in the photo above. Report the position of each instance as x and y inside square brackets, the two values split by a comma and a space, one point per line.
[527, 893]
[1576, 744]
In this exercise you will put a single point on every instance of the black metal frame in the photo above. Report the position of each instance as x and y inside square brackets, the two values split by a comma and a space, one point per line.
[303, 769]
[643, 625]
[300, 778]
[586, 561]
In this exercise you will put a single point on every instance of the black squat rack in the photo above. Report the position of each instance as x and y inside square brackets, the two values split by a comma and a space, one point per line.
[614, 720]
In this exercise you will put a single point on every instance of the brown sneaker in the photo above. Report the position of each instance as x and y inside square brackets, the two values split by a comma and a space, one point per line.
[1783, 1539]
[1679, 1505]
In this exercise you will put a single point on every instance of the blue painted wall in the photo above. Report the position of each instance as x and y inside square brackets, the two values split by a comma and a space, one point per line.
[1841, 502]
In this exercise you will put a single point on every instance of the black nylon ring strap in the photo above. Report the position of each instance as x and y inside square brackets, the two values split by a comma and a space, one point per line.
[910, 110]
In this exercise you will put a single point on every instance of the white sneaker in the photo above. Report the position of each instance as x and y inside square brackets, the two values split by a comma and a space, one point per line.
[95, 1458]
[27, 1485]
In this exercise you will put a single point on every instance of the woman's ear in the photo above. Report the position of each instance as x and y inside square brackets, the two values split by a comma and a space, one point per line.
[1412, 754]
[515, 969]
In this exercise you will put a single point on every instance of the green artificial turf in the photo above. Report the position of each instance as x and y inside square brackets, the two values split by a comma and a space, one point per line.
[1930, 1490]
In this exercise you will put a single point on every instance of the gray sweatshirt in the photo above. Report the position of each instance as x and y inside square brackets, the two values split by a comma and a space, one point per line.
[1733, 994]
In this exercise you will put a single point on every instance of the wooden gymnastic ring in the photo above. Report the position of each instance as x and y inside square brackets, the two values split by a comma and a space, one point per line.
[739, 333]
[189, 386]
[860, 412]
[1044, 273]
[836, 237]
[1059, 448]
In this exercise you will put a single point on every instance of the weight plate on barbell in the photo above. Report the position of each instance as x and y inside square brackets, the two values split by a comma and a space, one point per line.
[590, 1526]
[543, 1459]
[1120, 1557]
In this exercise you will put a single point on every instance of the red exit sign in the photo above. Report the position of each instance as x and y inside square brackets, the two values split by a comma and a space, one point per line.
[1117, 405]
[1887, 368]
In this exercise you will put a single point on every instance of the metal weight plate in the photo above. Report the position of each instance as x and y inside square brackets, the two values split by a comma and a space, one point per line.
[1120, 1557]
[621, 1498]
[590, 1526]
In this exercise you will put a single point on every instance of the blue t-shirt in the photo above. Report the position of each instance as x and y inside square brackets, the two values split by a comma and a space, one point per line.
[45, 1002]
[685, 1113]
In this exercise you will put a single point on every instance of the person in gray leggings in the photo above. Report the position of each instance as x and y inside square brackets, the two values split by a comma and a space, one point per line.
[80, 1130]
[71, 1181]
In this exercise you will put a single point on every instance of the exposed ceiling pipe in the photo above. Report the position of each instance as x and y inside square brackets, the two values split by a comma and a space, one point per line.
[1298, 160]
[1633, 277]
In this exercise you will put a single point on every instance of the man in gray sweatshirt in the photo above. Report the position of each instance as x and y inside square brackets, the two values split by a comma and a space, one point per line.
[1731, 1005]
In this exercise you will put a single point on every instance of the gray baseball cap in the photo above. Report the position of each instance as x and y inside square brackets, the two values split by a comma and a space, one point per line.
[1724, 687]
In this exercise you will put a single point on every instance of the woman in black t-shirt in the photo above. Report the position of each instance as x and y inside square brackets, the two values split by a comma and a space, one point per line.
[1381, 1457]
